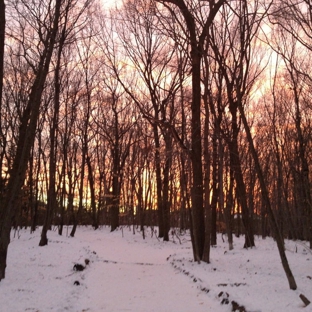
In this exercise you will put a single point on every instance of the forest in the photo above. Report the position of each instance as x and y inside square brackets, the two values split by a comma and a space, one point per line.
[185, 114]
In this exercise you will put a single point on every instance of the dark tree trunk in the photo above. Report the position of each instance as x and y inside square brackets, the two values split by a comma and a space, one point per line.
[196, 158]
[114, 213]
[76, 216]
[114, 210]
[34, 212]
[165, 199]
[215, 187]
[160, 208]
[207, 207]
[2, 38]
[2, 139]
[139, 193]
[238, 175]
[63, 194]
[266, 199]
[228, 210]
[31, 188]
[92, 193]
[141, 209]
[52, 201]
[183, 192]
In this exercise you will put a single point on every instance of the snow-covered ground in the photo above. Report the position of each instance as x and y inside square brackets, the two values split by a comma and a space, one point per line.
[127, 273]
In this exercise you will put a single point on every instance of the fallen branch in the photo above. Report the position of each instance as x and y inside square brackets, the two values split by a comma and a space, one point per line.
[305, 300]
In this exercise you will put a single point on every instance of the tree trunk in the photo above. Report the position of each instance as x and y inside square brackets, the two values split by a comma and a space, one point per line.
[196, 158]
[215, 187]
[114, 210]
[34, 214]
[51, 204]
[76, 216]
[183, 192]
[63, 193]
[208, 223]
[238, 175]
[92, 193]
[51, 201]
[166, 171]
[266, 199]
[161, 231]
[2, 141]
[228, 210]
[2, 39]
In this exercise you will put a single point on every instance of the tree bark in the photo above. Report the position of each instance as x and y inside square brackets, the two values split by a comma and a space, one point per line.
[2, 145]
[215, 186]
[196, 158]
[208, 223]
[2, 39]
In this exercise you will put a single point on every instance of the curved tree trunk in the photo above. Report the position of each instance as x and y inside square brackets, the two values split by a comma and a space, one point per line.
[266, 199]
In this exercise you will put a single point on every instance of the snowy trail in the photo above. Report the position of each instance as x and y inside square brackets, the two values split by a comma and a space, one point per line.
[127, 275]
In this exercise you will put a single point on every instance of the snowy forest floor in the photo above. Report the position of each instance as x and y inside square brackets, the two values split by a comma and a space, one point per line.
[127, 273]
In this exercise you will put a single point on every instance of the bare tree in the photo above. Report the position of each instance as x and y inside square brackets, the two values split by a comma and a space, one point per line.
[279, 240]
[152, 87]
[47, 39]
[235, 52]
[89, 83]
[196, 40]
[69, 19]
[295, 18]
[117, 129]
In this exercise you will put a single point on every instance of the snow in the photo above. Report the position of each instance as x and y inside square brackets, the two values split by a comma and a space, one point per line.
[127, 273]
